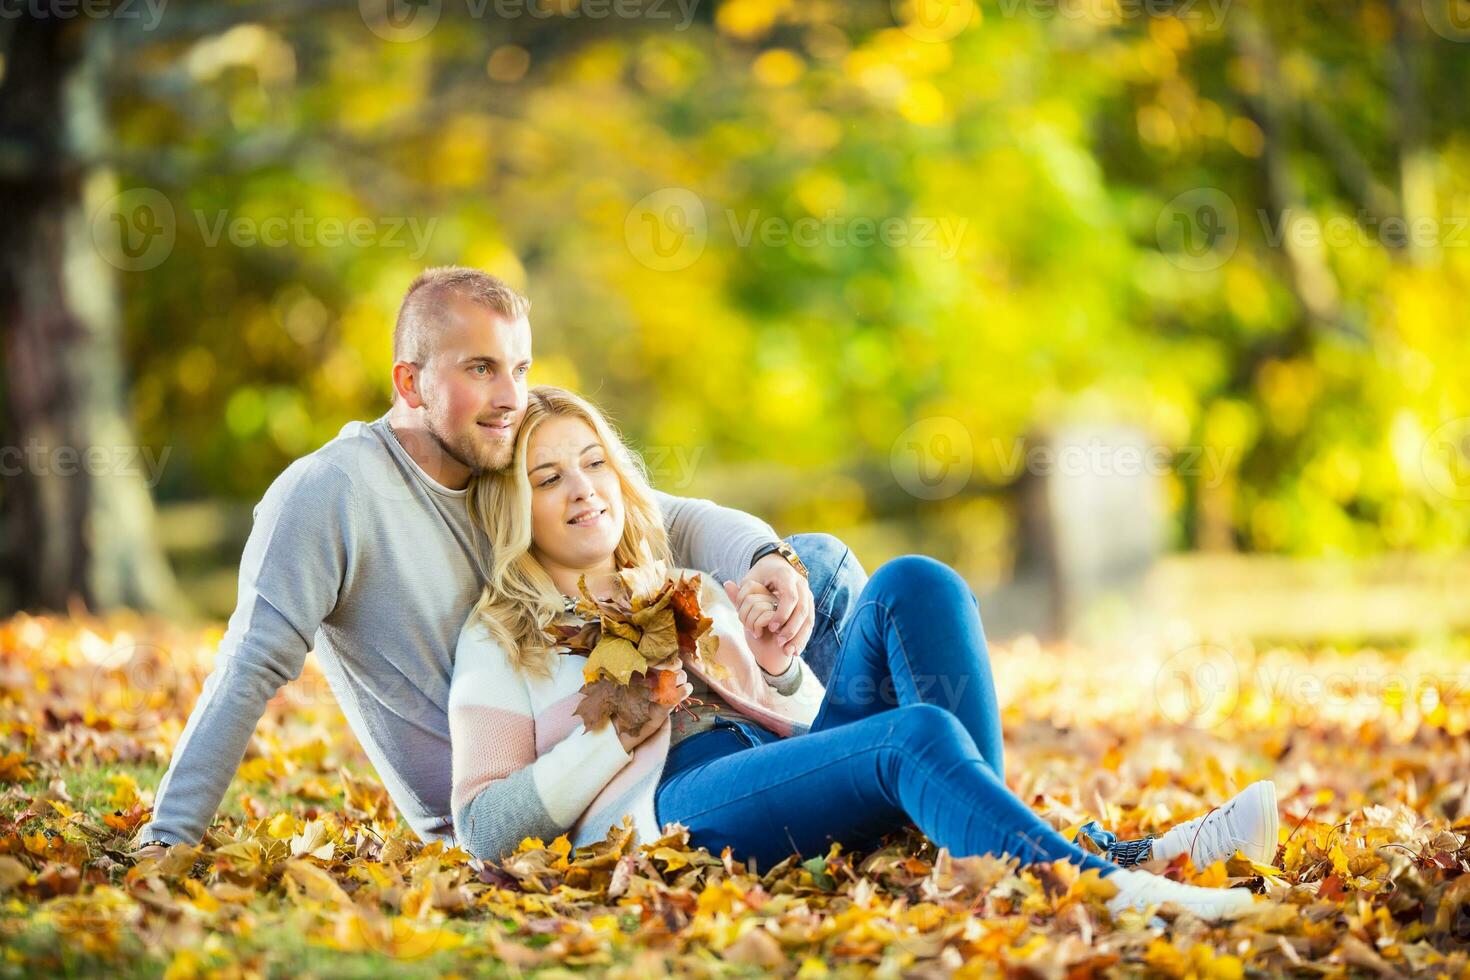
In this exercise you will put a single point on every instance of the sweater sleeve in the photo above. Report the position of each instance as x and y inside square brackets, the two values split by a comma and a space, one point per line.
[503, 791]
[786, 682]
[298, 557]
[719, 540]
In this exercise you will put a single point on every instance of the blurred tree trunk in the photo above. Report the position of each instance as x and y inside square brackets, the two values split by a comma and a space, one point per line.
[1415, 159]
[77, 511]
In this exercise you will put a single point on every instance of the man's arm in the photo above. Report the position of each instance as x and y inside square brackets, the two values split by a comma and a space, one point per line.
[719, 540]
[295, 562]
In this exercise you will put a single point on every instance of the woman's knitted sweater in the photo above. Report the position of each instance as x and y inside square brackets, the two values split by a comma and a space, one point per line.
[525, 765]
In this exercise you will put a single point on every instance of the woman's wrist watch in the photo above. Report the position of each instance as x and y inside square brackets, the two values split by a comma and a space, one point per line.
[785, 551]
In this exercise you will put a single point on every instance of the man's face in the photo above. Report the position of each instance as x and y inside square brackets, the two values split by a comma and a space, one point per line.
[474, 386]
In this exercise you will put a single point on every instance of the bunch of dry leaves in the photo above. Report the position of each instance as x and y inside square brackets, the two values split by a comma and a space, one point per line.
[651, 619]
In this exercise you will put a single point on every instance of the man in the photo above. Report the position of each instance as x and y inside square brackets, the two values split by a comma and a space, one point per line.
[365, 551]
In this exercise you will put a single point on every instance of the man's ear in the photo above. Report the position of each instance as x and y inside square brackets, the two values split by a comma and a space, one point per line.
[406, 383]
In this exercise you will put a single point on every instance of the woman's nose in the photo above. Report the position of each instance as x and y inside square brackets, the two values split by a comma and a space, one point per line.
[579, 486]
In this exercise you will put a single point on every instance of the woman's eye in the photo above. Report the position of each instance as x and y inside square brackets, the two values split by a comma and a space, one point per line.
[547, 482]
[596, 462]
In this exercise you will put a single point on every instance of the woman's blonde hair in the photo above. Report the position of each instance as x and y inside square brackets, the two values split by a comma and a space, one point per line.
[519, 599]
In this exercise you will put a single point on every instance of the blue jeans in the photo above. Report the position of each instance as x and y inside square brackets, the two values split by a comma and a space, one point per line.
[909, 730]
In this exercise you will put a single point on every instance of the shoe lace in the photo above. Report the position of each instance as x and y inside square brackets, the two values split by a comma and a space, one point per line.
[1215, 834]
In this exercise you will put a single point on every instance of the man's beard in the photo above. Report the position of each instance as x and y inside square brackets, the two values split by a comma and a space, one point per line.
[471, 454]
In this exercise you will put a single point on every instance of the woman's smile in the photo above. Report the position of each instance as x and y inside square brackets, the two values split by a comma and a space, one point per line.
[588, 518]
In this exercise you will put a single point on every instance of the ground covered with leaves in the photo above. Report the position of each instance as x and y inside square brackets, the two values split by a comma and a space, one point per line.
[307, 871]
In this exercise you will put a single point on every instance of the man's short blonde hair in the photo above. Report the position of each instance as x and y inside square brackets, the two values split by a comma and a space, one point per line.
[428, 297]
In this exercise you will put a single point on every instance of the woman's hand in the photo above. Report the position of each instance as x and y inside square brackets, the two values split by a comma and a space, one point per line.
[760, 613]
[660, 709]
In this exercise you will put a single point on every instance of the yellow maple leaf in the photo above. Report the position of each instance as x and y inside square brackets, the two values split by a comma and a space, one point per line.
[615, 657]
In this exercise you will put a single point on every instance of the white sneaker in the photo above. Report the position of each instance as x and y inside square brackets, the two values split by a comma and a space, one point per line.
[1140, 890]
[1248, 823]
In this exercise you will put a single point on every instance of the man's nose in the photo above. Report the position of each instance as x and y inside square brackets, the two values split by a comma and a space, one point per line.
[503, 395]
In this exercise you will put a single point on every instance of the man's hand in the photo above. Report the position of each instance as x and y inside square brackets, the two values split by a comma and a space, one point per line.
[153, 851]
[795, 613]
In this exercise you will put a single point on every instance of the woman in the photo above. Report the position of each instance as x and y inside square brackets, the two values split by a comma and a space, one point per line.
[775, 763]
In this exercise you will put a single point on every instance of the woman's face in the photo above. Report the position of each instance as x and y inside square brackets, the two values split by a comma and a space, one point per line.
[576, 500]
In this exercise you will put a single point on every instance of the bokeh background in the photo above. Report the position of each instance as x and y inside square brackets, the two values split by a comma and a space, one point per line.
[1134, 311]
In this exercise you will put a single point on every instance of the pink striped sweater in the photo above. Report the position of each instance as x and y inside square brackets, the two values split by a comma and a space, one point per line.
[525, 766]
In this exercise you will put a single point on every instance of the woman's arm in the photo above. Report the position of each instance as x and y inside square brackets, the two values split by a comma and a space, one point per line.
[503, 792]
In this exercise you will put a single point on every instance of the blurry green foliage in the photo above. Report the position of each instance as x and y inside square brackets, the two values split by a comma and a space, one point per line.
[1048, 138]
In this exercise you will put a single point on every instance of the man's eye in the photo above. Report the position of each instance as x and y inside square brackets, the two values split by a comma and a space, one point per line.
[522, 371]
[482, 369]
